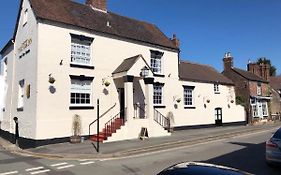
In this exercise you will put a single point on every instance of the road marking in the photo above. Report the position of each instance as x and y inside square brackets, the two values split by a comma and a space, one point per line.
[11, 172]
[87, 163]
[63, 167]
[83, 160]
[33, 169]
[59, 164]
[41, 171]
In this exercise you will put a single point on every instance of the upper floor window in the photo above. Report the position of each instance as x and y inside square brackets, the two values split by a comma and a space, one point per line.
[158, 94]
[25, 17]
[259, 89]
[80, 92]
[81, 50]
[188, 96]
[216, 88]
[155, 61]
[20, 95]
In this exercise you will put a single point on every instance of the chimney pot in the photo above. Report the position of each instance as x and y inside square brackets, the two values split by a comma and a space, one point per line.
[227, 61]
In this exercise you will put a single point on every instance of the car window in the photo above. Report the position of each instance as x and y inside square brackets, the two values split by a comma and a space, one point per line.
[277, 134]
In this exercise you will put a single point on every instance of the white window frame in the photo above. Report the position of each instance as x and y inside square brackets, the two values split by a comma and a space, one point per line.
[186, 96]
[79, 94]
[264, 109]
[81, 52]
[216, 88]
[156, 62]
[25, 17]
[158, 94]
[20, 95]
[259, 89]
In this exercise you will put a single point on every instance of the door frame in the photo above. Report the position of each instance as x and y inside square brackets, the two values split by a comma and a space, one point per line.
[218, 116]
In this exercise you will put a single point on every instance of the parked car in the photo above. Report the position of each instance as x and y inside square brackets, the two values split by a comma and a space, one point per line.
[195, 168]
[273, 149]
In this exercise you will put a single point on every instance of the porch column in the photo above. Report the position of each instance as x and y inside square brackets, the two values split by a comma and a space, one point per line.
[128, 89]
[149, 98]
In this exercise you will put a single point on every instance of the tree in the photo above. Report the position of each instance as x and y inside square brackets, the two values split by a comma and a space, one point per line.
[272, 69]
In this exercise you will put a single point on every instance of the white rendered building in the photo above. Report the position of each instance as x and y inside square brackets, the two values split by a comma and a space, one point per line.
[65, 56]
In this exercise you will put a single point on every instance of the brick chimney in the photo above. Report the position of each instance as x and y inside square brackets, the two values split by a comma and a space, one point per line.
[254, 68]
[97, 4]
[227, 61]
[176, 41]
[267, 72]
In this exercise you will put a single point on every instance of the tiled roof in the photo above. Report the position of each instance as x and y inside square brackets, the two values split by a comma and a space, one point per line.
[126, 65]
[81, 15]
[201, 73]
[275, 82]
[248, 75]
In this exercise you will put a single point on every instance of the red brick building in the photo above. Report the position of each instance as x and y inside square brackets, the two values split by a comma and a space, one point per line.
[251, 87]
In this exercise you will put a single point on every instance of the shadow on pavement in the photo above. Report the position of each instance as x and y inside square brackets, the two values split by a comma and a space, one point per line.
[250, 159]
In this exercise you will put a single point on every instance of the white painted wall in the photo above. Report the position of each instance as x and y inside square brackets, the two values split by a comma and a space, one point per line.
[108, 54]
[18, 69]
[201, 115]
[48, 116]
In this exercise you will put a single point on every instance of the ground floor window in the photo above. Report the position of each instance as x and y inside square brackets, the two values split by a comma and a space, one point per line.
[158, 94]
[188, 96]
[80, 92]
[259, 108]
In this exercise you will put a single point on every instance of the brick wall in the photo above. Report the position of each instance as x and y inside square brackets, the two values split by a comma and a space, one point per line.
[253, 89]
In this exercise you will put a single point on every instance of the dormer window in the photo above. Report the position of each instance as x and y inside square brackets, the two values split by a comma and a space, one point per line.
[156, 62]
[25, 17]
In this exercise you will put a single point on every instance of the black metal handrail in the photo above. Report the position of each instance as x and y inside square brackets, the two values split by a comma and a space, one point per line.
[139, 111]
[114, 122]
[100, 118]
[161, 119]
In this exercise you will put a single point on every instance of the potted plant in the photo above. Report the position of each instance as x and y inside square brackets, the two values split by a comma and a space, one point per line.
[76, 129]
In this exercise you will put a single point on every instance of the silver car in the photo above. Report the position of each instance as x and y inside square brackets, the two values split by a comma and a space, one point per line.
[273, 149]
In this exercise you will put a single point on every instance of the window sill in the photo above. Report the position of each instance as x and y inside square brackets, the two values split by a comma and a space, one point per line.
[189, 107]
[158, 75]
[81, 66]
[20, 109]
[217, 92]
[81, 107]
[159, 106]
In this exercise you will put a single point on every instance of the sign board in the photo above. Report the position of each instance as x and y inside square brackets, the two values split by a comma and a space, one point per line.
[143, 133]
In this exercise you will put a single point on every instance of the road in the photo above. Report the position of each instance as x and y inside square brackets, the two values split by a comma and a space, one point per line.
[243, 152]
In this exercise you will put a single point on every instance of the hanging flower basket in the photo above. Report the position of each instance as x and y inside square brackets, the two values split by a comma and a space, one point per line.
[208, 101]
[232, 101]
[52, 80]
[178, 100]
[106, 83]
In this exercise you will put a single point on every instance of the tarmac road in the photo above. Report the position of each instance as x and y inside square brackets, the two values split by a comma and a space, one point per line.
[242, 152]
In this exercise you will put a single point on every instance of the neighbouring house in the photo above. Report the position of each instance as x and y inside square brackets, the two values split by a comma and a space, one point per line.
[275, 84]
[251, 87]
[66, 57]
[208, 98]
[3, 81]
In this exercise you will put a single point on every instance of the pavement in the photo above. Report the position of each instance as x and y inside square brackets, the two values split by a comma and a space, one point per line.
[130, 148]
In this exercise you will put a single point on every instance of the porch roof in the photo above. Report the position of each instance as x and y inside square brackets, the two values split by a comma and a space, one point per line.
[128, 63]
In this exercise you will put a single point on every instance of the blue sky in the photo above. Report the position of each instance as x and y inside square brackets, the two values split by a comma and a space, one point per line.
[249, 29]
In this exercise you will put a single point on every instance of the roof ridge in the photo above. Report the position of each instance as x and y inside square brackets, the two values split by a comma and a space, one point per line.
[200, 64]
